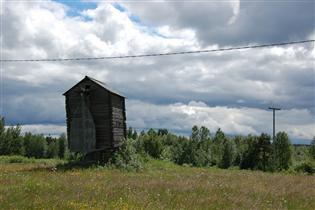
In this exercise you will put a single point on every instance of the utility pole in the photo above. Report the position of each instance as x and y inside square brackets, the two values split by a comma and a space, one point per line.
[274, 109]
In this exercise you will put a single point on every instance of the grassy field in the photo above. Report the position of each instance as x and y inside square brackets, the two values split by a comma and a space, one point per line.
[37, 184]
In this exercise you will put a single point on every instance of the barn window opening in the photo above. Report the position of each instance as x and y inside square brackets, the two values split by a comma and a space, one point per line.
[86, 90]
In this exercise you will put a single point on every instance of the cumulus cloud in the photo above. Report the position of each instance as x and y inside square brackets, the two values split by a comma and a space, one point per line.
[298, 123]
[180, 117]
[226, 86]
[50, 129]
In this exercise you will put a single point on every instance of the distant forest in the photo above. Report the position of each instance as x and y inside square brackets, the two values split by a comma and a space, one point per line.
[203, 150]
[199, 150]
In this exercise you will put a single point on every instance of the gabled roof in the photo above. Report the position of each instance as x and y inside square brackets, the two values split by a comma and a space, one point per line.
[99, 83]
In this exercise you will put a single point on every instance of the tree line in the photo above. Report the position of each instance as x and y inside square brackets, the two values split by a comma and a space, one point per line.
[200, 149]
[256, 152]
[12, 142]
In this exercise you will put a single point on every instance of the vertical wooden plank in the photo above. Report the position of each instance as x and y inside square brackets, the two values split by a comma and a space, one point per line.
[68, 118]
[82, 135]
[111, 119]
[124, 113]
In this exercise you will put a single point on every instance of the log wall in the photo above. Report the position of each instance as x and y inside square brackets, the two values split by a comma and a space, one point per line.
[118, 119]
[107, 110]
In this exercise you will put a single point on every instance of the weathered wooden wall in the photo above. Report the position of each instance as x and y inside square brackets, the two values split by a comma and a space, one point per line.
[118, 119]
[82, 128]
[100, 109]
[107, 110]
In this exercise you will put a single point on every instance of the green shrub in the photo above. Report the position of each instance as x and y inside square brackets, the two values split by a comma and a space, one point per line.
[227, 156]
[187, 152]
[11, 141]
[282, 151]
[305, 167]
[62, 144]
[166, 153]
[201, 157]
[152, 145]
[74, 156]
[126, 157]
[19, 159]
[300, 153]
[258, 153]
[264, 153]
[312, 149]
[249, 155]
[16, 159]
[53, 149]
[177, 150]
[131, 133]
[35, 145]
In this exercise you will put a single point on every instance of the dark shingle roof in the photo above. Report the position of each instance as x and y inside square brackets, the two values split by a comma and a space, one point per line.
[102, 84]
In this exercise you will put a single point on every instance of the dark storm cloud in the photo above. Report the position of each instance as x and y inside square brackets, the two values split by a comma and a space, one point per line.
[25, 103]
[265, 22]
[230, 23]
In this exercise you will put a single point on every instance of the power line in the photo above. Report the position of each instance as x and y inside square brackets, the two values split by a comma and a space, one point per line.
[158, 54]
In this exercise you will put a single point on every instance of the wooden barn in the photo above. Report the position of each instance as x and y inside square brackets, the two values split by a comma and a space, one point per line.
[96, 119]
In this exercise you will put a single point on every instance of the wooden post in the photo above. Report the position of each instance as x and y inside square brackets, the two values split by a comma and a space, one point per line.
[274, 121]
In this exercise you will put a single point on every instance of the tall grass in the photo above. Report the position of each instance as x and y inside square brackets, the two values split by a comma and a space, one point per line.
[22, 159]
[160, 185]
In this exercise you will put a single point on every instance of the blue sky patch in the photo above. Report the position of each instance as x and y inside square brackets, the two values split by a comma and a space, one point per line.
[119, 7]
[76, 7]
[136, 19]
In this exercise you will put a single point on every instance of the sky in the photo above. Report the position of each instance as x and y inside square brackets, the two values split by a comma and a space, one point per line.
[228, 90]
